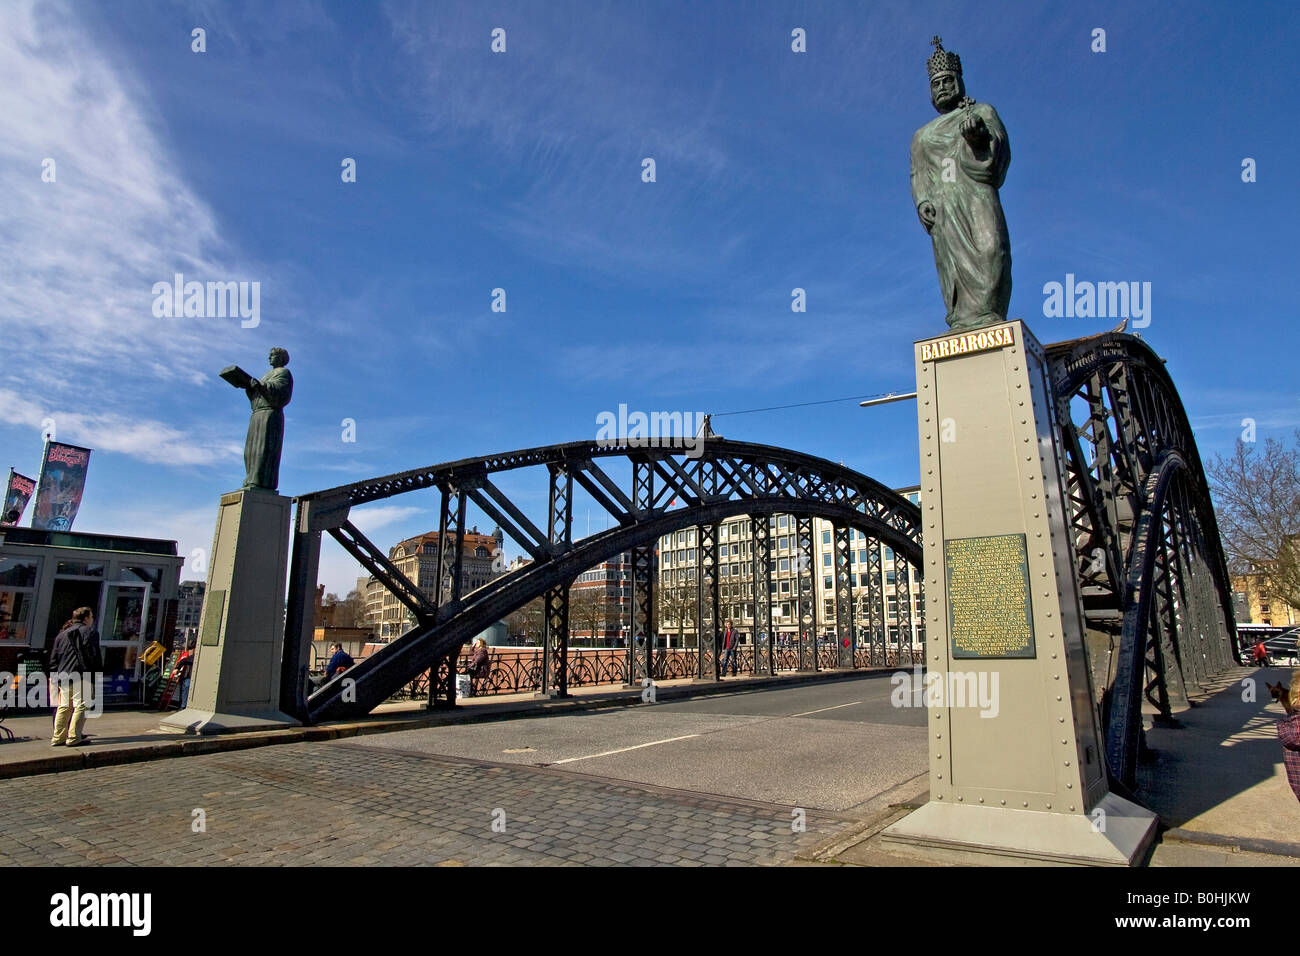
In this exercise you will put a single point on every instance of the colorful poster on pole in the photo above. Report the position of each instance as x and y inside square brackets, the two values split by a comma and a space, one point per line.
[59, 488]
[17, 494]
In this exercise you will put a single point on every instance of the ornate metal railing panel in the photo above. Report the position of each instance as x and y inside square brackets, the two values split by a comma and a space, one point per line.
[514, 672]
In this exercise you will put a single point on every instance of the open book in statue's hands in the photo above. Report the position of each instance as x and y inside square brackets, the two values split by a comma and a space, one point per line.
[237, 377]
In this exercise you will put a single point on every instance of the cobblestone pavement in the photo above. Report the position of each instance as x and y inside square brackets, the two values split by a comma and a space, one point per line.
[321, 804]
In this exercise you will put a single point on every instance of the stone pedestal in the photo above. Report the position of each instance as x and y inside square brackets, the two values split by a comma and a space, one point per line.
[236, 679]
[1016, 764]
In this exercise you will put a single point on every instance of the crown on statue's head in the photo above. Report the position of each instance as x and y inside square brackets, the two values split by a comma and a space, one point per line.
[941, 60]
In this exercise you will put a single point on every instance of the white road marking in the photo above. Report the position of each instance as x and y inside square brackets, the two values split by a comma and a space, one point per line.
[824, 709]
[624, 750]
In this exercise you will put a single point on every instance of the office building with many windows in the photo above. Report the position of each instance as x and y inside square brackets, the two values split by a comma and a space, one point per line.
[677, 581]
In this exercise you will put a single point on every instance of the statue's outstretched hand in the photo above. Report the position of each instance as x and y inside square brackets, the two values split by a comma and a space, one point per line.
[928, 214]
[975, 132]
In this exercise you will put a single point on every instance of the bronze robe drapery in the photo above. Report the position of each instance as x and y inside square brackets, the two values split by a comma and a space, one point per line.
[266, 429]
[971, 249]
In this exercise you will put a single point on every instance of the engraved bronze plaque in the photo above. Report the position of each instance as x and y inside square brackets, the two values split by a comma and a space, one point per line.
[213, 608]
[989, 609]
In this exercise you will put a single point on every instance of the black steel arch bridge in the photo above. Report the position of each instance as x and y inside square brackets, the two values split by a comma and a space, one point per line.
[1149, 562]
[673, 487]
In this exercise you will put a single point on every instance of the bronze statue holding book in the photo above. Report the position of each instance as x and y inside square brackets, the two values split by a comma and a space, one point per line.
[267, 396]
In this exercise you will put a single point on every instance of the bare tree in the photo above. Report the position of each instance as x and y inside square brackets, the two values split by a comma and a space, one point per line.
[589, 610]
[351, 611]
[1257, 496]
[676, 606]
[528, 620]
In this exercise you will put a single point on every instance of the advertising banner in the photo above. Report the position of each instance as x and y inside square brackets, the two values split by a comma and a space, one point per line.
[17, 494]
[59, 488]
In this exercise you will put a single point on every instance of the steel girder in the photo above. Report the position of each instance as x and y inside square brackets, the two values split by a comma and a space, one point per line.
[876, 609]
[1143, 626]
[903, 601]
[555, 623]
[640, 658]
[717, 468]
[764, 640]
[807, 593]
[376, 562]
[843, 581]
[451, 554]
[706, 600]
[1149, 560]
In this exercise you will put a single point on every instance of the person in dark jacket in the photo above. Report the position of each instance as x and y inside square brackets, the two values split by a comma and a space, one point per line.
[338, 663]
[75, 662]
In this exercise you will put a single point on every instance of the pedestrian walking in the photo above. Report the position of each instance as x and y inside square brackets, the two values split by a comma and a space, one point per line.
[75, 664]
[729, 639]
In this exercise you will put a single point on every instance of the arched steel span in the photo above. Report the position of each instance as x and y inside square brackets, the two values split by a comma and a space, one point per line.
[672, 488]
[1150, 562]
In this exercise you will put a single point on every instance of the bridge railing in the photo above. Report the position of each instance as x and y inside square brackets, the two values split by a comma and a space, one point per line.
[520, 671]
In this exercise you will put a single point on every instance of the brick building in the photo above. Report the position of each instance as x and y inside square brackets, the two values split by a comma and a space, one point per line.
[482, 560]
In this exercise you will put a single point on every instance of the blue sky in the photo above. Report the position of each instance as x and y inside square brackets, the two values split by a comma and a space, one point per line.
[522, 171]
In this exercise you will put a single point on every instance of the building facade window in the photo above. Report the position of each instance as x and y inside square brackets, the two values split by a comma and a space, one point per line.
[18, 578]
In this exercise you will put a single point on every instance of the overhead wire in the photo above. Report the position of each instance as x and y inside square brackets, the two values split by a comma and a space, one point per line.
[824, 401]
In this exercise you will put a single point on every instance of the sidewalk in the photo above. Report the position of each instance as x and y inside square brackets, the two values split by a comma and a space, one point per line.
[1216, 780]
[132, 736]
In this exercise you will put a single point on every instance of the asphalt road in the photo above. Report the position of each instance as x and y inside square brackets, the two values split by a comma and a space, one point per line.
[755, 777]
[832, 746]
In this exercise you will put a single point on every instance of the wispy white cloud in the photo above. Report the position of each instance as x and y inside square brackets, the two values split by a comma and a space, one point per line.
[148, 440]
[1262, 420]
[370, 518]
[82, 252]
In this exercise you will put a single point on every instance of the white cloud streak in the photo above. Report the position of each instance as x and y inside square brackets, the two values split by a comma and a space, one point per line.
[82, 252]
[148, 440]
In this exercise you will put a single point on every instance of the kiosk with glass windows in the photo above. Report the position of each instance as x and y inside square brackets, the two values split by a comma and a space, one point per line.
[131, 584]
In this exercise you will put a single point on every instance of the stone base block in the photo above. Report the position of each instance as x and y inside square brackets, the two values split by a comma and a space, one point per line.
[204, 722]
[1118, 836]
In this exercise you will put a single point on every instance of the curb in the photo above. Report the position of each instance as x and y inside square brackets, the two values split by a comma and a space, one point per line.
[1230, 843]
[191, 745]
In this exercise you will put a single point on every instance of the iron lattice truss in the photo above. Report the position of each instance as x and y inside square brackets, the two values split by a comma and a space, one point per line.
[670, 490]
[1148, 556]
